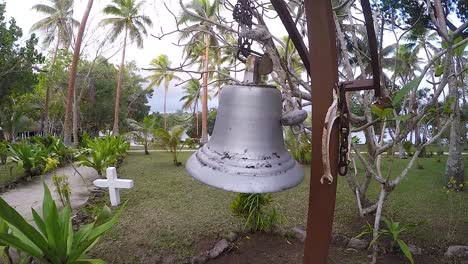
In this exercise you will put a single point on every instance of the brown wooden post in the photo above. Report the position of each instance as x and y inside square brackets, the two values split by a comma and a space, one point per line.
[324, 76]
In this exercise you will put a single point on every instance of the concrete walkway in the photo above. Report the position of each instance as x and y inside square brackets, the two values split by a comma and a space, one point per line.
[30, 194]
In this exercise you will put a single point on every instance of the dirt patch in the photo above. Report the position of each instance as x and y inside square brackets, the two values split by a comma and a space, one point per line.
[263, 248]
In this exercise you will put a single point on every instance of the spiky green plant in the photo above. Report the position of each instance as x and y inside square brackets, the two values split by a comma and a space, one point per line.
[53, 241]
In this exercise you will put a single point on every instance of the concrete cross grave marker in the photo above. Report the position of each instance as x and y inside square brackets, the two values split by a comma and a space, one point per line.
[114, 184]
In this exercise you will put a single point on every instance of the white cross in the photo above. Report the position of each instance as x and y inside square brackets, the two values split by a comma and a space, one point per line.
[114, 185]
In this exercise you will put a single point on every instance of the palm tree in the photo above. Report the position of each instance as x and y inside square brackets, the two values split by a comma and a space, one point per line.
[57, 26]
[191, 98]
[162, 74]
[198, 31]
[126, 18]
[144, 129]
[71, 82]
[171, 140]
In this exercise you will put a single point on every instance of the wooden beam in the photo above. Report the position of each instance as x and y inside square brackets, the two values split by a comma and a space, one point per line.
[324, 77]
[283, 12]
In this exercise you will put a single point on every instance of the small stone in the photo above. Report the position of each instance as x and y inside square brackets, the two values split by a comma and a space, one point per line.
[457, 252]
[359, 244]
[299, 233]
[415, 250]
[231, 236]
[340, 240]
[219, 248]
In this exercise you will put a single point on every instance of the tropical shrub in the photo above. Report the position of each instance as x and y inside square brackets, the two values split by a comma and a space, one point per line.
[54, 241]
[55, 148]
[392, 230]
[408, 147]
[3, 152]
[62, 187]
[30, 156]
[251, 207]
[171, 140]
[101, 153]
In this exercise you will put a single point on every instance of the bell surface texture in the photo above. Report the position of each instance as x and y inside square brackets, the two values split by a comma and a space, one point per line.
[246, 152]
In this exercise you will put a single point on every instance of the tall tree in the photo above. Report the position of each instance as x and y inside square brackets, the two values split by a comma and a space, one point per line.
[454, 168]
[196, 15]
[191, 98]
[126, 18]
[57, 27]
[162, 75]
[71, 84]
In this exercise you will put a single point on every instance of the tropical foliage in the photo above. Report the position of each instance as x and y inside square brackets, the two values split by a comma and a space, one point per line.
[52, 240]
[172, 140]
[253, 208]
[100, 153]
[125, 17]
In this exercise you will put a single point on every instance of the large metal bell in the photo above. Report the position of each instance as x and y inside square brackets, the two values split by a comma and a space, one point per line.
[246, 152]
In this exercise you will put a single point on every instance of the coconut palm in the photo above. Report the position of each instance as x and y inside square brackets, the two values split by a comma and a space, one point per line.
[162, 75]
[127, 19]
[143, 130]
[197, 31]
[191, 98]
[172, 140]
[57, 26]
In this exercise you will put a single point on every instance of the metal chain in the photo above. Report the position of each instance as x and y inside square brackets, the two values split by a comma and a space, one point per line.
[243, 15]
[343, 162]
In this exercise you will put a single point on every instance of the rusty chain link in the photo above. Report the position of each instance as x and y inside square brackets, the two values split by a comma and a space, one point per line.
[344, 127]
[243, 15]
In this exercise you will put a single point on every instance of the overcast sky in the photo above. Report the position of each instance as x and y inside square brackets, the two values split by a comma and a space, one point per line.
[162, 20]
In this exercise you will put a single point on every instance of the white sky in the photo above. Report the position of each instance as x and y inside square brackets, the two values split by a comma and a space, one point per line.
[162, 19]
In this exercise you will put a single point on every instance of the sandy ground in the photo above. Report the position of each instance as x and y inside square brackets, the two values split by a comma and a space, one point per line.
[30, 194]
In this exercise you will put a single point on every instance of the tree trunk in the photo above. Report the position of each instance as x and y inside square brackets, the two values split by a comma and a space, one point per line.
[204, 136]
[75, 120]
[74, 68]
[454, 168]
[146, 144]
[165, 100]
[45, 117]
[115, 129]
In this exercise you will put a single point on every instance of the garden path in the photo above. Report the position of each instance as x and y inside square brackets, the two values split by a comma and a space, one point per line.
[30, 194]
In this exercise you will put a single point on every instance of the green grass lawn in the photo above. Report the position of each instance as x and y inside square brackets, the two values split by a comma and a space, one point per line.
[168, 213]
[9, 173]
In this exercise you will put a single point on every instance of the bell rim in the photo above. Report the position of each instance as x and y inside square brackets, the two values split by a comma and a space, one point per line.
[249, 183]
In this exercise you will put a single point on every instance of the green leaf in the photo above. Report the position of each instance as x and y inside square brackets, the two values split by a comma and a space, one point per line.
[459, 51]
[103, 216]
[51, 219]
[376, 110]
[13, 218]
[39, 222]
[15, 242]
[439, 70]
[405, 90]
[406, 251]
[94, 234]
[403, 118]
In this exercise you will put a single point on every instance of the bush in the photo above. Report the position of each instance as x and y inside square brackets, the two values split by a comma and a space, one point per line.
[30, 156]
[251, 206]
[55, 148]
[54, 240]
[392, 231]
[101, 153]
[3, 152]
[408, 146]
